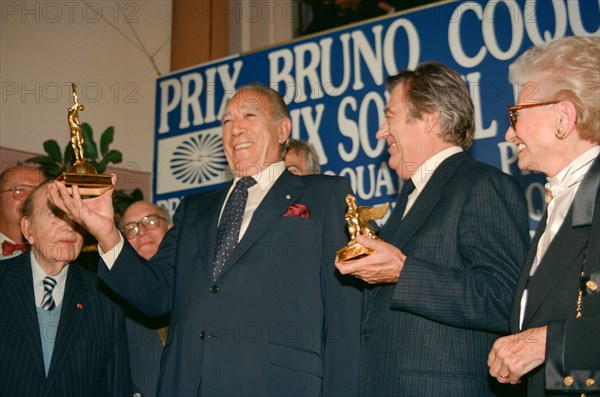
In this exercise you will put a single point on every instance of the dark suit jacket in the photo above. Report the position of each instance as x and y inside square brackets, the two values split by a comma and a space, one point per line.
[430, 333]
[573, 345]
[277, 322]
[145, 350]
[90, 353]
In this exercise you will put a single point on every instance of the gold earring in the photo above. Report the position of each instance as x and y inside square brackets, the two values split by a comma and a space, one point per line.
[560, 133]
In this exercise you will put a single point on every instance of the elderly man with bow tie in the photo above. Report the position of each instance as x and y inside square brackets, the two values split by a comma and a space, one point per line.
[15, 185]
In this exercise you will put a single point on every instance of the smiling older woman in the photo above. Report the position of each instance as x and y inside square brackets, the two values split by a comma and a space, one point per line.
[556, 307]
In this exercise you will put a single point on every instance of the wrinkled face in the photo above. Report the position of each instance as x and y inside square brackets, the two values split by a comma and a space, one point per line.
[534, 137]
[10, 210]
[404, 136]
[296, 163]
[251, 138]
[146, 242]
[55, 239]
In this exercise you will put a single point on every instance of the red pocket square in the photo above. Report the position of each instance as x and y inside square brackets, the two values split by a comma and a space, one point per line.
[297, 210]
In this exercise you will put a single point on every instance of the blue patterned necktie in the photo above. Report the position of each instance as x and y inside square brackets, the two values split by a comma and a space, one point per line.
[231, 222]
[48, 300]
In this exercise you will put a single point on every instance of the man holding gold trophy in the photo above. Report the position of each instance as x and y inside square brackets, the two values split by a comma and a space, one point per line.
[226, 274]
[443, 274]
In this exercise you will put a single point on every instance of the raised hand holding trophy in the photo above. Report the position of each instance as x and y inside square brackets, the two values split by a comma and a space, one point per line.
[358, 218]
[82, 174]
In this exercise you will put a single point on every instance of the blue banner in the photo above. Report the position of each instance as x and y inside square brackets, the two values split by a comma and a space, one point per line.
[334, 85]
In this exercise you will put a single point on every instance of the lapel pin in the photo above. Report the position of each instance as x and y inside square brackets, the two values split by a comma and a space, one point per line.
[80, 305]
[287, 196]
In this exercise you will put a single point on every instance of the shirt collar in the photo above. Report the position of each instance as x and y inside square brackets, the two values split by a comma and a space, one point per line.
[39, 274]
[267, 176]
[423, 174]
[573, 173]
[4, 237]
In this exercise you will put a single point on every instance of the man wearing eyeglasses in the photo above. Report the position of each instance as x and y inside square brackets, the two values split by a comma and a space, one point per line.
[15, 185]
[144, 225]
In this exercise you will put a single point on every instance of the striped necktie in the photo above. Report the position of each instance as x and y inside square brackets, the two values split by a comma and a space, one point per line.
[48, 300]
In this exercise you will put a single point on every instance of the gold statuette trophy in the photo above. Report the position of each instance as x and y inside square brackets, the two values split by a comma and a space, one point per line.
[82, 174]
[357, 219]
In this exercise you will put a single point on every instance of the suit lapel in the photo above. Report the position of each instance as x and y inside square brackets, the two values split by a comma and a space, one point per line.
[426, 201]
[567, 243]
[20, 284]
[423, 206]
[583, 205]
[286, 191]
[564, 248]
[522, 282]
[75, 304]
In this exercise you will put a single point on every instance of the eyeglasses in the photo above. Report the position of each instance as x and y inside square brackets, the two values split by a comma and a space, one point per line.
[150, 222]
[513, 116]
[20, 192]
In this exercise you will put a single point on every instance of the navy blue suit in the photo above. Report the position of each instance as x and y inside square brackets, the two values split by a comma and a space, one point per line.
[145, 350]
[278, 321]
[90, 355]
[465, 239]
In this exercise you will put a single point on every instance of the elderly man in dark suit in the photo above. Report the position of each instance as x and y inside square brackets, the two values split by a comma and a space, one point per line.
[445, 270]
[257, 306]
[144, 225]
[59, 334]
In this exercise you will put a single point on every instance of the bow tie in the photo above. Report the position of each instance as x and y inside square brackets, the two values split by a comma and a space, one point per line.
[8, 248]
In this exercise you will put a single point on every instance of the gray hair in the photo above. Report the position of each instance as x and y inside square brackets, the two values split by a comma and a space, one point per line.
[565, 69]
[432, 87]
[27, 208]
[309, 152]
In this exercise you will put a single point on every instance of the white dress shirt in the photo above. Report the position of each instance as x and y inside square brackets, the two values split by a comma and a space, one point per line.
[564, 186]
[38, 286]
[423, 174]
[264, 182]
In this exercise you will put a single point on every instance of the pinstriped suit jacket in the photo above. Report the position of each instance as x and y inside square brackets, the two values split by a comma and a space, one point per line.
[430, 333]
[90, 353]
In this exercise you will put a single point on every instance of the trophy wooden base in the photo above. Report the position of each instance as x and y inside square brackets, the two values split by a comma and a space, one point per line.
[352, 252]
[89, 184]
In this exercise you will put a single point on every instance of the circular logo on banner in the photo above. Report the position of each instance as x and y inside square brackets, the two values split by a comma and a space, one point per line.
[198, 159]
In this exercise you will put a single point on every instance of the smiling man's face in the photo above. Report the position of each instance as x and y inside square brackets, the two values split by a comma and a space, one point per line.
[251, 137]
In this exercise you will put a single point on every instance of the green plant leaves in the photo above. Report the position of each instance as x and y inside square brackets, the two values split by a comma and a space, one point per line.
[51, 147]
[89, 145]
[122, 199]
[57, 161]
[69, 156]
[106, 139]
